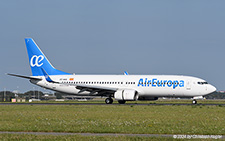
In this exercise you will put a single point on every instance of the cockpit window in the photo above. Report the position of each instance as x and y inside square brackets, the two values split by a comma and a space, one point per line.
[202, 83]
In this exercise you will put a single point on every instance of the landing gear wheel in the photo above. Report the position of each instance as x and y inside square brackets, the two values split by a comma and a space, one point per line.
[121, 101]
[108, 100]
[194, 101]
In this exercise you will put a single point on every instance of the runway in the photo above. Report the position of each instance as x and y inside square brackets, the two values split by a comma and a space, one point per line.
[175, 136]
[88, 134]
[136, 104]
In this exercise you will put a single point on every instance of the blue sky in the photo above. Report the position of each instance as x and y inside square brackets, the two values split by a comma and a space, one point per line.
[109, 37]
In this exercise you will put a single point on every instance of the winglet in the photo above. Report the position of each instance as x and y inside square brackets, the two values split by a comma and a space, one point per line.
[126, 73]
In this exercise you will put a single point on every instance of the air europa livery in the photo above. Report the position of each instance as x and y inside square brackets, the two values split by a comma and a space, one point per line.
[157, 83]
[120, 87]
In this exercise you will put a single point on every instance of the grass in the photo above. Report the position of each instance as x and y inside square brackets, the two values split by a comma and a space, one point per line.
[195, 119]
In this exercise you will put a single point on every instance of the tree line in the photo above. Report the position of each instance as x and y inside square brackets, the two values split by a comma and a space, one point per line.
[7, 96]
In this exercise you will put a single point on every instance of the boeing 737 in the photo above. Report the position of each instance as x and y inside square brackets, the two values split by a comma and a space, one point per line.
[120, 87]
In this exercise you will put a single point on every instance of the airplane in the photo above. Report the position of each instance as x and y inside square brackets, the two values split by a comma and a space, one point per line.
[120, 87]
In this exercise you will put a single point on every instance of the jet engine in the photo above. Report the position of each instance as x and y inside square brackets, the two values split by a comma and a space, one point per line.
[126, 95]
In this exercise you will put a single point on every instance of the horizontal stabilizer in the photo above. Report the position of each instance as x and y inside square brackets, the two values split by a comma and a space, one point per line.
[26, 77]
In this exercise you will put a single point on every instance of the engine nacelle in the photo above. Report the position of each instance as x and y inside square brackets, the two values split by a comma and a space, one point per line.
[126, 95]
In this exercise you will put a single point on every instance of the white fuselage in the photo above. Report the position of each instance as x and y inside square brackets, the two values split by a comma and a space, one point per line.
[145, 85]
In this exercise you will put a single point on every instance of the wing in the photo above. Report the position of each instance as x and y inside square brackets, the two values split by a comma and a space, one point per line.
[96, 90]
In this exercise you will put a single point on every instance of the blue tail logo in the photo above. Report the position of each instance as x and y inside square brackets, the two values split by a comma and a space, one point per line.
[38, 60]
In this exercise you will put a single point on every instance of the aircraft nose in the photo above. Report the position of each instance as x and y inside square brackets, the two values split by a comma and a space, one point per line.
[211, 88]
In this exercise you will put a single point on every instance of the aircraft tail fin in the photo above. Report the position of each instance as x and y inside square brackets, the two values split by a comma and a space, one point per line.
[38, 60]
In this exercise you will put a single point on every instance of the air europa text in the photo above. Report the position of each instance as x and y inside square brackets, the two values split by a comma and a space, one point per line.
[145, 82]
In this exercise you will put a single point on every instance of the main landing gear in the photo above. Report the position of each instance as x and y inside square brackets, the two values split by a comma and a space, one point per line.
[109, 100]
[194, 101]
[121, 101]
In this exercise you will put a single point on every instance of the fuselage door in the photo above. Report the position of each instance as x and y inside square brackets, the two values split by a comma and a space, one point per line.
[188, 86]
